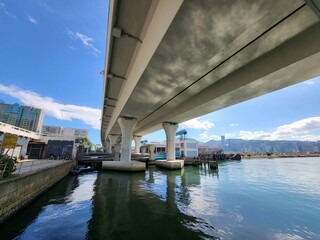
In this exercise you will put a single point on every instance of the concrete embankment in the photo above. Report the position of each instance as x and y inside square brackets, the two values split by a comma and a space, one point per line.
[19, 190]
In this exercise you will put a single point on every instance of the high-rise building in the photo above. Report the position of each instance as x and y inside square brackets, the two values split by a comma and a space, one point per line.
[21, 116]
[223, 143]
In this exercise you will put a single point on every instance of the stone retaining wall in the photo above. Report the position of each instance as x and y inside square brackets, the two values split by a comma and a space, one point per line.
[16, 192]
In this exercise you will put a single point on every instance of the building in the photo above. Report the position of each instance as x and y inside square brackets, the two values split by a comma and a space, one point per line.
[204, 148]
[54, 131]
[56, 141]
[21, 116]
[188, 147]
[223, 143]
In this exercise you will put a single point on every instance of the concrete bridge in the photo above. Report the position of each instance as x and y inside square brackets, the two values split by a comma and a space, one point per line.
[168, 61]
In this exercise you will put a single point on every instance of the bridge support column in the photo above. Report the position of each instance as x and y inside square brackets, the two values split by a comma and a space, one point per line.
[137, 140]
[152, 148]
[152, 157]
[105, 145]
[112, 139]
[127, 126]
[170, 162]
[170, 129]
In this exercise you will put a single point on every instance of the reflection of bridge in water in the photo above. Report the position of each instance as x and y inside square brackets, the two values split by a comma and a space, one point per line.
[135, 206]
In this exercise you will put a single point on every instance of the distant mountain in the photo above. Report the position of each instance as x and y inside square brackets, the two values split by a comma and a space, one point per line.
[214, 144]
[280, 146]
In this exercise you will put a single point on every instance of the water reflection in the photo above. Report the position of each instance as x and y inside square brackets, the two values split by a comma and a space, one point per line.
[141, 205]
[53, 215]
[248, 199]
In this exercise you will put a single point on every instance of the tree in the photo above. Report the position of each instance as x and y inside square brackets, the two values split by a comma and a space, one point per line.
[84, 142]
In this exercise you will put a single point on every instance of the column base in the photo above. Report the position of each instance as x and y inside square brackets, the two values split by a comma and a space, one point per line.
[171, 164]
[132, 166]
[152, 162]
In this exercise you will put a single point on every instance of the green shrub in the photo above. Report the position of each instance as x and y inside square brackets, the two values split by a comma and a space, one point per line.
[7, 165]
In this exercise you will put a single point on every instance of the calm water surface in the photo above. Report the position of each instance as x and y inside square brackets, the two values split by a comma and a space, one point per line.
[248, 199]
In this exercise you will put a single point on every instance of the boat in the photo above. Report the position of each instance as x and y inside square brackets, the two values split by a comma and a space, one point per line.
[82, 169]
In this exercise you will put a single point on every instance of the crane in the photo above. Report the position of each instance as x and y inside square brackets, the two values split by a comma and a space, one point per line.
[182, 134]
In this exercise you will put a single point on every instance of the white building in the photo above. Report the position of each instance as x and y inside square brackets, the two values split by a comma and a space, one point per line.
[188, 147]
[63, 132]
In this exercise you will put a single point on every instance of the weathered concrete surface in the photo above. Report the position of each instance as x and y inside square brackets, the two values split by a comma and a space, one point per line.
[173, 164]
[214, 54]
[19, 190]
[132, 166]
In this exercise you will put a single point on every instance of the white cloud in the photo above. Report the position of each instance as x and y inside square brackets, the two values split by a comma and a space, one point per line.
[300, 130]
[45, 6]
[248, 135]
[309, 82]
[5, 11]
[231, 135]
[233, 124]
[73, 48]
[85, 40]
[32, 20]
[51, 107]
[205, 137]
[196, 123]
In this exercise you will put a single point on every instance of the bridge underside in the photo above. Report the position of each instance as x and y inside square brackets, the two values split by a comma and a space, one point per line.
[176, 60]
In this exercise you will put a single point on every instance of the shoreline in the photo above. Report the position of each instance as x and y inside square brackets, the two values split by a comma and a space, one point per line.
[281, 156]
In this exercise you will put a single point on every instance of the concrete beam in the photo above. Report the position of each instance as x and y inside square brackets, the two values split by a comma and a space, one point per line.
[157, 22]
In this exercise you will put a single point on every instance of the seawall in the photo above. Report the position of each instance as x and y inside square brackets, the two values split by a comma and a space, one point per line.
[17, 191]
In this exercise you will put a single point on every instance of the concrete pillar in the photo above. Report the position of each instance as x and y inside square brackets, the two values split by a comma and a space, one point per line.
[112, 139]
[170, 129]
[127, 125]
[117, 148]
[143, 152]
[105, 145]
[137, 140]
[152, 148]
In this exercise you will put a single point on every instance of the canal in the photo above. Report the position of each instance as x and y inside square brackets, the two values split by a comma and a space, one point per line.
[248, 199]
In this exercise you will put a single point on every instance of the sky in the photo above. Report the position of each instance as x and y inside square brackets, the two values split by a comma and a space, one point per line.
[51, 56]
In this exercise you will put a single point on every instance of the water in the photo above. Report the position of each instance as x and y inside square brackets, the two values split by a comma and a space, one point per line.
[248, 199]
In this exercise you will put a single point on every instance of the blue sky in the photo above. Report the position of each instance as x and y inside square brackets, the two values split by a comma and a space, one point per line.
[51, 55]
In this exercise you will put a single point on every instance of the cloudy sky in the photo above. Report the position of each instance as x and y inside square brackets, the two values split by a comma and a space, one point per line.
[51, 55]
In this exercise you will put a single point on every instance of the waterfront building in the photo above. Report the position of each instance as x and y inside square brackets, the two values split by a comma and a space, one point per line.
[56, 131]
[21, 116]
[188, 147]
[204, 148]
[56, 141]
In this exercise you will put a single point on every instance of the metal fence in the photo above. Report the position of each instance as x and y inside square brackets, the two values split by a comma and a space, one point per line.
[26, 166]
